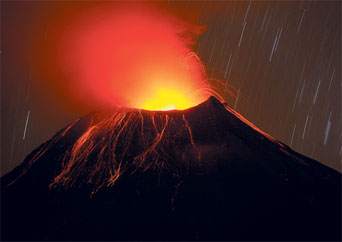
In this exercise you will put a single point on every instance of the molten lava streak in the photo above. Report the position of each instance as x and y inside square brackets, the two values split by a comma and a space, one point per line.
[129, 57]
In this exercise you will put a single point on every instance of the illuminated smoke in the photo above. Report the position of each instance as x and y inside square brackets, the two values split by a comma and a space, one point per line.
[131, 57]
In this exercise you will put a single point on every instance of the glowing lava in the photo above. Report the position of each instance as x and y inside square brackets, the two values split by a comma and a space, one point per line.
[135, 57]
[168, 99]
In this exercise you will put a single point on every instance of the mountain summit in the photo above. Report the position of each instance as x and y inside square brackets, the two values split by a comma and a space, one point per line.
[204, 173]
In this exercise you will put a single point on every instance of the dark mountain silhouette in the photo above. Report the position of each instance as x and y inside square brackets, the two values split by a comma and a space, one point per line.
[200, 174]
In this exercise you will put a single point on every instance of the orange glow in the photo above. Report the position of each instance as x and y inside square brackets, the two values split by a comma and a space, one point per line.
[168, 99]
[128, 56]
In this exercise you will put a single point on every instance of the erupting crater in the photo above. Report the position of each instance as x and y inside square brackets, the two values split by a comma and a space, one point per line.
[165, 99]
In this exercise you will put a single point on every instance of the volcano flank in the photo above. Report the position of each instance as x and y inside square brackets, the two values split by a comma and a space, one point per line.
[203, 173]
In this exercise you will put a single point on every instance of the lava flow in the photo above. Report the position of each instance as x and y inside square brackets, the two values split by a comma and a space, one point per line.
[125, 141]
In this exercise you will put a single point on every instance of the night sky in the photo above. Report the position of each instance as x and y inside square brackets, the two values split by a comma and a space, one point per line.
[276, 63]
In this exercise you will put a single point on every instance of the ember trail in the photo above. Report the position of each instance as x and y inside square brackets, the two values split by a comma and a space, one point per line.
[126, 141]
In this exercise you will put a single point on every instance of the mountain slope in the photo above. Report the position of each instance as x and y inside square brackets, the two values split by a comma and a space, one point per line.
[204, 173]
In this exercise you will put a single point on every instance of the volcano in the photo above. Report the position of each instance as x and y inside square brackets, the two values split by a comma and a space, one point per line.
[203, 173]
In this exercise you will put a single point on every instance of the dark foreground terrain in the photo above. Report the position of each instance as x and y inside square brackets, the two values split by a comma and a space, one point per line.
[198, 174]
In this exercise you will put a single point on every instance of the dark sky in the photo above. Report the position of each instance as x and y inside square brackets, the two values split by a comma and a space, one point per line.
[281, 62]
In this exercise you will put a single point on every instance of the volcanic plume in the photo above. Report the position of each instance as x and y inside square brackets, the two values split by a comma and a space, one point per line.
[203, 173]
[128, 56]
